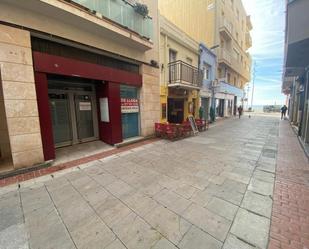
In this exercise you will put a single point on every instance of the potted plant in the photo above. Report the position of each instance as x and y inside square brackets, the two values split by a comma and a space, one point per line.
[141, 9]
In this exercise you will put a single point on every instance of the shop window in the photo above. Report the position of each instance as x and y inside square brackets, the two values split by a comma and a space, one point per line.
[129, 111]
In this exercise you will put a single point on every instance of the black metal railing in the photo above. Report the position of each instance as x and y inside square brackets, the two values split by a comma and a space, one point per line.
[183, 73]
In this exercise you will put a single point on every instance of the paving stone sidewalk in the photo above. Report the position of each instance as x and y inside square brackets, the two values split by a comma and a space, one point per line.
[290, 216]
[211, 191]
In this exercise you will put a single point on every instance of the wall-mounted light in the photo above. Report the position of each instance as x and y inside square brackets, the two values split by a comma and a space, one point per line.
[154, 63]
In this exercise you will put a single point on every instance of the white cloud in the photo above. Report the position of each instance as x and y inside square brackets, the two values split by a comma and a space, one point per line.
[267, 18]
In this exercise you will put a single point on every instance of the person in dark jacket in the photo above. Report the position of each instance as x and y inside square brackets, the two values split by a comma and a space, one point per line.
[283, 111]
[240, 111]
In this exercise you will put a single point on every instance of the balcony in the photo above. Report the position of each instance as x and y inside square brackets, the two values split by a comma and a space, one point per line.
[184, 75]
[248, 40]
[226, 29]
[224, 87]
[122, 12]
[225, 57]
[240, 68]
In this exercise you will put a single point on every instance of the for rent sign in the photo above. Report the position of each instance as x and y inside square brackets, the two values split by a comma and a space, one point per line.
[129, 105]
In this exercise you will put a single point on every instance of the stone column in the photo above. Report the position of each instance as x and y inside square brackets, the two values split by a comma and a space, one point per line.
[5, 148]
[19, 97]
[149, 99]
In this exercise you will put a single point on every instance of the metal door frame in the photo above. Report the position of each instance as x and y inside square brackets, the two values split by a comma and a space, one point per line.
[67, 143]
[72, 108]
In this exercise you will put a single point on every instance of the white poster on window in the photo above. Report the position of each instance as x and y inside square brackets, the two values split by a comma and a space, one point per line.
[85, 106]
[129, 105]
[104, 110]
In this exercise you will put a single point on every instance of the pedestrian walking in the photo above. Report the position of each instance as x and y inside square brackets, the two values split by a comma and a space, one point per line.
[283, 111]
[240, 111]
[201, 112]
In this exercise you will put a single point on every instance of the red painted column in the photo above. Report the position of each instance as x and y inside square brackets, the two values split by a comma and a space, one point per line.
[41, 86]
[110, 132]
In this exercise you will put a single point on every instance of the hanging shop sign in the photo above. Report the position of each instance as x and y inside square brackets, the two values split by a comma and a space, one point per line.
[129, 105]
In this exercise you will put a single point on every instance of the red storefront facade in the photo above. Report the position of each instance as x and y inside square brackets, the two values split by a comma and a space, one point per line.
[60, 54]
[110, 78]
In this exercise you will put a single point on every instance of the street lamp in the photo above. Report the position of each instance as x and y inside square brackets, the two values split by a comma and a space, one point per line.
[253, 81]
[214, 47]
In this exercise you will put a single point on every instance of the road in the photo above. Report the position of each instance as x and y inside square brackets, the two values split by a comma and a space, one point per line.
[210, 191]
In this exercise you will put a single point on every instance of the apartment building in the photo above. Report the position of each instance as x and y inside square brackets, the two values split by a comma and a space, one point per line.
[296, 67]
[223, 26]
[181, 80]
[74, 72]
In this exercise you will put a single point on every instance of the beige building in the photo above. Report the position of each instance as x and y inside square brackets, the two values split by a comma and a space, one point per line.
[217, 22]
[74, 72]
[181, 80]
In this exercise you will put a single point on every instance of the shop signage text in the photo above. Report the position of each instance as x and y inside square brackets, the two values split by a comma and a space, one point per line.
[129, 105]
[85, 106]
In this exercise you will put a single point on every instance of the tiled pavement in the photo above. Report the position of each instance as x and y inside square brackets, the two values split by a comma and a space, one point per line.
[210, 191]
[34, 173]
[290, 216]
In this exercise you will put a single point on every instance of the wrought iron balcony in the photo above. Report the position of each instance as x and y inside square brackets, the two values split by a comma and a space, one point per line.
[184, 75]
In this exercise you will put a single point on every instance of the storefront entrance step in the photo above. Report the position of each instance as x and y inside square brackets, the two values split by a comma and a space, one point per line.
[18, 176]
[132, 140]
[14, 172]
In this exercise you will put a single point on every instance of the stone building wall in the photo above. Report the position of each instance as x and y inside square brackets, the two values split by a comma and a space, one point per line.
[149, 99]
[19, 97]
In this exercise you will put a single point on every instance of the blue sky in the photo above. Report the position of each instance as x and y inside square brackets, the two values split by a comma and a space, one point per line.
[268, 20]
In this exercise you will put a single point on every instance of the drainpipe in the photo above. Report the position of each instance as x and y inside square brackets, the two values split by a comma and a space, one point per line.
[213, 100]
[306, 107]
